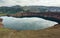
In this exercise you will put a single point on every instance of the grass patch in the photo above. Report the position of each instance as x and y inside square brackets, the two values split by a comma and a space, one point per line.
[3, 14]
[3, 29]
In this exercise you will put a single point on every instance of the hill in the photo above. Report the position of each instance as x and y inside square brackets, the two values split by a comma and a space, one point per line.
[42, 8]
[17, 8]
[10, 10]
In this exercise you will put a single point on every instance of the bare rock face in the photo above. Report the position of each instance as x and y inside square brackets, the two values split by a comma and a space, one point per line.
[1, 19]
[1, 25]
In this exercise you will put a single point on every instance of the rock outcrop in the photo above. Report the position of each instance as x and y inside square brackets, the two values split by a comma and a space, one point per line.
[1, 24]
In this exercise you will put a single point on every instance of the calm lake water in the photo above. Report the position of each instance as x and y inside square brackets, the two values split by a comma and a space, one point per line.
[30, 23]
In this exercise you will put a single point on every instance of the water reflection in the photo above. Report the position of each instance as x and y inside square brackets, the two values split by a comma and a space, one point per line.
[31, 23]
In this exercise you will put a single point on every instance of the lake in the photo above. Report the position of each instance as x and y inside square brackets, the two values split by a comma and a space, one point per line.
[26, 23]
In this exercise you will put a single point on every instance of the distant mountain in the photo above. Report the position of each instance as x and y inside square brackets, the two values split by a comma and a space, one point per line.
[17, 8]
[8, 10]
[42, 9]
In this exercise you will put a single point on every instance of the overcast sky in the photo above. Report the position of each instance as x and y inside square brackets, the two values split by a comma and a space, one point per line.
[30, 2]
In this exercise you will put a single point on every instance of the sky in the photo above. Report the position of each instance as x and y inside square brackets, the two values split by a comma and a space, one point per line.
[30, 2]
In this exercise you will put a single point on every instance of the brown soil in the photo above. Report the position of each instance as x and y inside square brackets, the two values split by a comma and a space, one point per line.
[52, 32]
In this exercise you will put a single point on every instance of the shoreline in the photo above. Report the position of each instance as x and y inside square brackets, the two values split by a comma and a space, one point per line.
[51, 32]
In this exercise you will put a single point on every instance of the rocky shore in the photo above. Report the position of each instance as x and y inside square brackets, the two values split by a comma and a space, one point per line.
[1, 25]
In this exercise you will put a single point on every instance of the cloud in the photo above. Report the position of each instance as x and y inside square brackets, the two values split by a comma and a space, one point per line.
[30, 2]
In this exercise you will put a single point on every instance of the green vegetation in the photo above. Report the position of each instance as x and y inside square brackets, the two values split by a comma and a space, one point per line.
[11, 10]
[3, 29]
[1, 14]
[17, 9]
